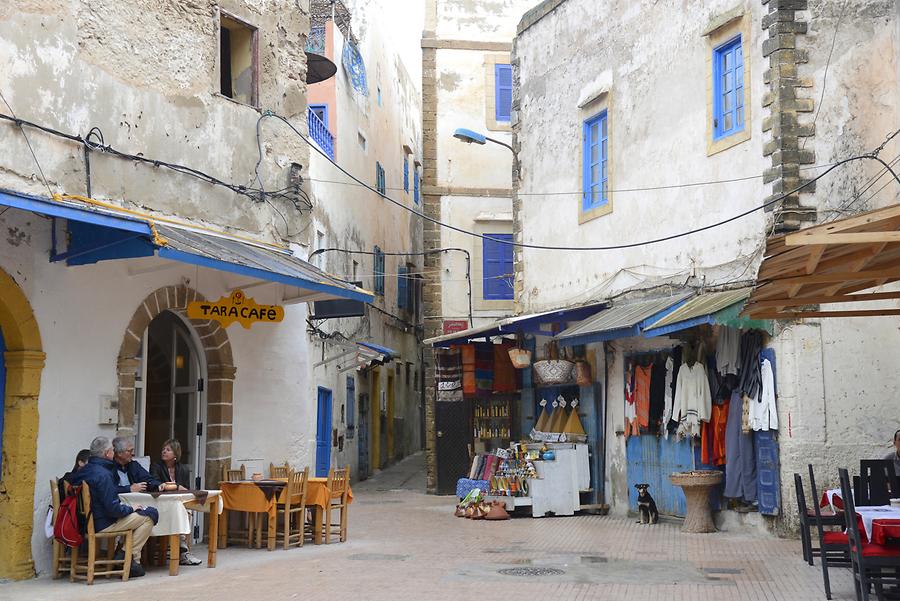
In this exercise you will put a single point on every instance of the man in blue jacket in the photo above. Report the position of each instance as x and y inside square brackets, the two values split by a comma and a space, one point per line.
[130, 475]
[109, 513]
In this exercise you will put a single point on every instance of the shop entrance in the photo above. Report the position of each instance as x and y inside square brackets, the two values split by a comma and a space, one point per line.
[170, 390]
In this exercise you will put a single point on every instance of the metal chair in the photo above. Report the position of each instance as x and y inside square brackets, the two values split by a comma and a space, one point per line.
[873, 565]
[834, 547]
[877, 479]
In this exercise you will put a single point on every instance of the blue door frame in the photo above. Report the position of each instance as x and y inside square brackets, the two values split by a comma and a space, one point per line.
[323, 432]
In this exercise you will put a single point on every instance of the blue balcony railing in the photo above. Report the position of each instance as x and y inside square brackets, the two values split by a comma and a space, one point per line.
[318, 131]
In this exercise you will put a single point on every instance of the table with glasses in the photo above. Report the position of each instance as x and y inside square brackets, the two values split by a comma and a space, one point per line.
[174, 519]
[263, 496]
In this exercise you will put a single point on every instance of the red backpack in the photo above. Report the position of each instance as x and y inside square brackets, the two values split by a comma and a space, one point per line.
[69, 526]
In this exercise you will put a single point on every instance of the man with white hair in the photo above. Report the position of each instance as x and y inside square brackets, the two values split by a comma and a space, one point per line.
[109, 513]
[129, 474]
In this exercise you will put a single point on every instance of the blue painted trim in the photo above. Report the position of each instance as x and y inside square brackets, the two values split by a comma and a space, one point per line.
[406, 174]
[383, 350]
[51, 208]
[84, 250]
[502, 70]
[718, 110]
[262, 274]
[587, 182]
[324, 409]
[677, 327]
[324, 108]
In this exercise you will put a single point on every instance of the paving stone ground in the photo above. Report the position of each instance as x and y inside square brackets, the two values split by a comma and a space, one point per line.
[406, 545]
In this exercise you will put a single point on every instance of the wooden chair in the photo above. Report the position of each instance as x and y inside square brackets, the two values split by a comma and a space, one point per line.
[62, 559]
[279, 471]
[834, 547]
[87, 570]
[339, 485]
[876, 480]
[243, 534]
[873, 565]
[293, 510]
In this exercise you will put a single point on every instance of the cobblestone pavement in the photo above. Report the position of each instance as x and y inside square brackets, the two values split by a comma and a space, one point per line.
[405, 545]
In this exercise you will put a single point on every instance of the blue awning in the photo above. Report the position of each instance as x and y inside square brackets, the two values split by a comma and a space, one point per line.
[381, 350]
[97, 234]
[708, 308]
[623, 320]
[532, 323]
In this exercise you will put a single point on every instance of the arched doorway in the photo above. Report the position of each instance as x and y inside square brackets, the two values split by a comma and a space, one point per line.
[169, 392]
[23, 361]
[211, 348]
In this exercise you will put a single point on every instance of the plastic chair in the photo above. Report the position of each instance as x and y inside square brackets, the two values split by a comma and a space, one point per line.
[87, 569]
[339, 487]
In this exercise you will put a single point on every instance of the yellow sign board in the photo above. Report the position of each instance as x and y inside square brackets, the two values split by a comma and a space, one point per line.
[235, 308]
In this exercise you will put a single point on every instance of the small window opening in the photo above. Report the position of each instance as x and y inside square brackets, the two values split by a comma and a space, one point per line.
[238, 63]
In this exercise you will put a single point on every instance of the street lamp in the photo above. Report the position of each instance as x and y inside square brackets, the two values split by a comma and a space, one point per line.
[468, 136]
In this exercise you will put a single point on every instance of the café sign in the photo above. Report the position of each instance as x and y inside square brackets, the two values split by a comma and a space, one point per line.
[235, 308]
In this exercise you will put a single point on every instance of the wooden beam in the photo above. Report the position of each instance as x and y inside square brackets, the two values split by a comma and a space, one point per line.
[821, 300]
[820, 314]
[804, 239]
[862, 220]
[815, 253]
[839, 276]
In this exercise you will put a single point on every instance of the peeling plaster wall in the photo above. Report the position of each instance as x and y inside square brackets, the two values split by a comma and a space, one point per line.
[83, 313]
[354, 218]
[146, 74]
[836, 378]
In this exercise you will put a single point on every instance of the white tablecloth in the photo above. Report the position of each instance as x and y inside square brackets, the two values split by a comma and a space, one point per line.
[829, 494]
[868, 513]
[173, 516]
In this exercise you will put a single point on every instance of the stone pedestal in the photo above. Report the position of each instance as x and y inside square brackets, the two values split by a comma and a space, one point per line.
[697, 486]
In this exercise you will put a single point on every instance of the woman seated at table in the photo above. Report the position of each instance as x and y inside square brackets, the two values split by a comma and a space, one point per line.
[170, 470]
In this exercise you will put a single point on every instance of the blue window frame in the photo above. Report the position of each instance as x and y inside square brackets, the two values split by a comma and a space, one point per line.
[497, 267]
[416, 185]
[595, 162]
[379, 272]
[405, 174]
[402, 287]
[503, 86]
[380, 184]
[321, 111]
[728, 89]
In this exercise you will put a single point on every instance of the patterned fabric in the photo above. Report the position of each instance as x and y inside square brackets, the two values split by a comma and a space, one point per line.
[353, 64]
[447, 368]
[506, 377]
[468, 369]
[484, 369]
[315, 43]
[464, 486]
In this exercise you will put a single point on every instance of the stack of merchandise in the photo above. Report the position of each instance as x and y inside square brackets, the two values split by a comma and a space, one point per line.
[559, 425]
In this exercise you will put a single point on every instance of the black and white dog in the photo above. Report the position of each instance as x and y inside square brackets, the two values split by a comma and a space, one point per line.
[646, 505]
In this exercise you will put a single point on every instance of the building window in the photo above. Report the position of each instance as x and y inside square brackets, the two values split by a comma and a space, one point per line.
[238, 60]
[402, 287]
[361, 140]
[497, 267]
[351, 406]
[380, 181]
[379, 272]
[728, 89]
[317, 121]
[503, 92]
[416, 185]
[378, 94]
[406, 174]
[595, 159]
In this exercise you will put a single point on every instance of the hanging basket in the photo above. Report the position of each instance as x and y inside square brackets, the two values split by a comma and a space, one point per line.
[520, 358]
[554, 371]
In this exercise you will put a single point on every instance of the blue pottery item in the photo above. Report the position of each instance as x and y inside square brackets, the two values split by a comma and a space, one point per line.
[549, 456]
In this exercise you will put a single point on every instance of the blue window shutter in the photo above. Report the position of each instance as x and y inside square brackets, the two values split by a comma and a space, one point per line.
[769, 489]
[728, 89]
[497, 267]
[406, 175]
[402, 284]
[416, 186]
[595, 162]
[503, 86]
[379, 271]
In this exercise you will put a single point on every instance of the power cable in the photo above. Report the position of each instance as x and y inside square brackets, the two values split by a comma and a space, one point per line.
[871, 156]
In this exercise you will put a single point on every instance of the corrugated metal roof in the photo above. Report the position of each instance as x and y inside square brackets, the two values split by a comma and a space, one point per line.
[621, 316]
[704, 304]
[257, 260]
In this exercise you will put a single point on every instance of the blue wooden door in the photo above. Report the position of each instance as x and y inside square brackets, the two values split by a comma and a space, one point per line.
[651, 460]
[362, 437]
[769, 488]
[323, 433]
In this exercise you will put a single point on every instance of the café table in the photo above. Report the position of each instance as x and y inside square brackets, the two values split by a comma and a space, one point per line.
[832, 497]
[880, 522]
[174, 519]
[262, 496]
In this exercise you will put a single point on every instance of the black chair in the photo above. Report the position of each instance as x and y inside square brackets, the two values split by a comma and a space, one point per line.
[834, 547]
[805, 521]
[876, 481]
[873, 565]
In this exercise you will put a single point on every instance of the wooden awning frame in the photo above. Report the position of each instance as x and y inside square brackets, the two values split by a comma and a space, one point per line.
[838, 262]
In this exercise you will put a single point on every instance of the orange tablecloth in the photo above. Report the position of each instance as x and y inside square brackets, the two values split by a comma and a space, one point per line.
[317, 492]
[247, 496]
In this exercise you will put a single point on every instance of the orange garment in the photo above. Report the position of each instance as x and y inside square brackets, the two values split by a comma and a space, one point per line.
[712, 442]
[642, 395]
[504, 372]
[467, 351]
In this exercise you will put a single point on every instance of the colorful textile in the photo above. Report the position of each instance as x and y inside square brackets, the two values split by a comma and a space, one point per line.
[466, 485]
[484, 369]
[692, 398]
[642, 395]
[506, 377]
[631, 423]
[354, 67]
[468, 369]
[740, 464]
[713, 442]
[447, 368]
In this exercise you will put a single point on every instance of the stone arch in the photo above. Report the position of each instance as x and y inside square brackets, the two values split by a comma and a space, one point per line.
[219, 366]
[24, 360]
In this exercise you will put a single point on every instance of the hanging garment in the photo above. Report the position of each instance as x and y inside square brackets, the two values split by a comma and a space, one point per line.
[718, 420]
[667, 402]
[751, 343]
[728, 350]
[642, 395]
[447, 368]
[657, 393]
[505, 375]
[712, 374]
[631, 424]
[763, 413]
[692, 398]
[467, 352]
[484, 369]
[740, 456]
[675, 417]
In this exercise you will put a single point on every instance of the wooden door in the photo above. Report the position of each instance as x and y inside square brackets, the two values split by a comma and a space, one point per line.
[451, 423]
[323, 433]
